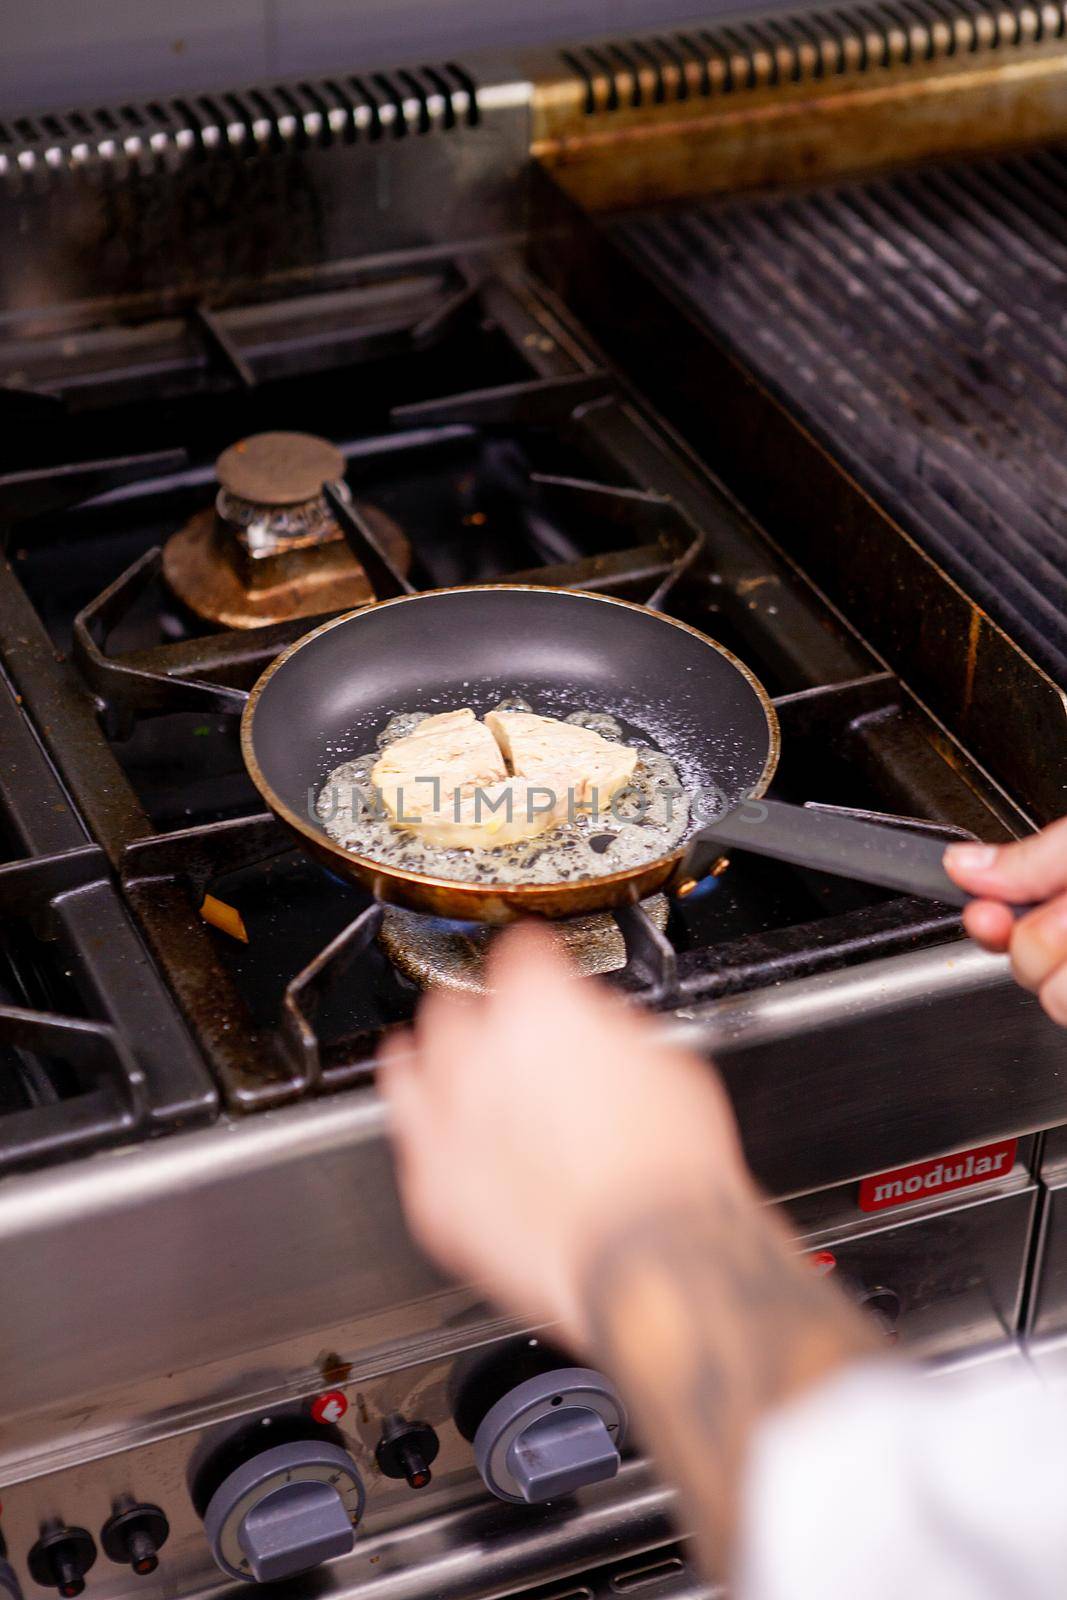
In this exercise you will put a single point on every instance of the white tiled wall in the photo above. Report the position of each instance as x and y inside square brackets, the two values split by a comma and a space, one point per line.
[56, 53]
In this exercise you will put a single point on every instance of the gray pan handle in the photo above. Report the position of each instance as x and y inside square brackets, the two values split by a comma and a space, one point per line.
[870, 852]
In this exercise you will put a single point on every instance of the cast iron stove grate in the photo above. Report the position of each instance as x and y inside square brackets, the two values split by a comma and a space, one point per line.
[92, 1051]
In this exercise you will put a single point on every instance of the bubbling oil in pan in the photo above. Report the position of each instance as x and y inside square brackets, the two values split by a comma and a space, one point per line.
[649, 819]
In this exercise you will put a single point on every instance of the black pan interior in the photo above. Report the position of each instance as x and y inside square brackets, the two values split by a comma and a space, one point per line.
[561, 651]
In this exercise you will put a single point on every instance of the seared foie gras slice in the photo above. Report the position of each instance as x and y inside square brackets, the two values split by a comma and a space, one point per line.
[445, 756]
[535, 746]
[421, 773]
[447, 782]
[496, 814]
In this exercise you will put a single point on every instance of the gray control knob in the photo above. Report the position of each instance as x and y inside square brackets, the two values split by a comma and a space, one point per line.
[551, 1435]
[285, 1510]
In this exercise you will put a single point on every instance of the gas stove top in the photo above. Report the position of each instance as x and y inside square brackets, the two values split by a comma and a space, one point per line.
[543, 466]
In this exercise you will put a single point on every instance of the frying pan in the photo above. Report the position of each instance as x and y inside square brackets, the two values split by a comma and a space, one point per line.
[324, 699]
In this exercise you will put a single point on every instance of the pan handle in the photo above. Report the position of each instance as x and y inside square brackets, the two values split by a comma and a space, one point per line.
[894, 858]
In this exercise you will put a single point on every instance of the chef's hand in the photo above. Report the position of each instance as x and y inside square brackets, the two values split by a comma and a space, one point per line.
[553, 1150]
[1032, 870]
[531, 1123]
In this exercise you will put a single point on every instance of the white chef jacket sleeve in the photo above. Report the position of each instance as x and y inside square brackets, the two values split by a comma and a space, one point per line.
[887, 1484]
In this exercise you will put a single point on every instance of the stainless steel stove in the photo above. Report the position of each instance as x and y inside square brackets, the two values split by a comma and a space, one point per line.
[423, 289]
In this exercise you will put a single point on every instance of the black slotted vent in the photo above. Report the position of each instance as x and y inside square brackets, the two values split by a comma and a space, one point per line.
[297, 114]
[806, 46]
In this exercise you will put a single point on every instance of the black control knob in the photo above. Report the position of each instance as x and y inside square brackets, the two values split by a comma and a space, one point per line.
[407, 1450]
[61, 1558]
[134, 1535]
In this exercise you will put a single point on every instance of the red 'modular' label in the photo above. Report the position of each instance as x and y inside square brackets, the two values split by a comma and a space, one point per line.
[904, 1185]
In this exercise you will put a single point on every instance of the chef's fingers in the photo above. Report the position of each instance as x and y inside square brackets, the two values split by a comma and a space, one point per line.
[1039, 944]
[526, 973]
[529, 962]
[990, 923]
[1053, 995]
[443, 1024]
[525, 951]
[1029, 869]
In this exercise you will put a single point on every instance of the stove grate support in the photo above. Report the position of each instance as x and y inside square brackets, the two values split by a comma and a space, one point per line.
[126, 1069]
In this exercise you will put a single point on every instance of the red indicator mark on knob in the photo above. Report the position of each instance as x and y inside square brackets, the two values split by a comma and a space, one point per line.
[329, 1407]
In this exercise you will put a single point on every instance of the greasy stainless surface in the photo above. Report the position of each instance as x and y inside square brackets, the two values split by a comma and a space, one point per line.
[992, 1064]
[442, 955]
[205, 1257]
[485, 1551]
[955, 1266]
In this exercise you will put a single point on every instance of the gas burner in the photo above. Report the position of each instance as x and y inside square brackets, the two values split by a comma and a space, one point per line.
[439, 954]
[270, 548]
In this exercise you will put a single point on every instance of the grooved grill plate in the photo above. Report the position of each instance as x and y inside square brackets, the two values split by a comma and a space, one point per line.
[918, 324]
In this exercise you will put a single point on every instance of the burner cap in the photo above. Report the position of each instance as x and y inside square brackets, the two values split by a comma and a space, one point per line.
[446, 955]
[279, 469]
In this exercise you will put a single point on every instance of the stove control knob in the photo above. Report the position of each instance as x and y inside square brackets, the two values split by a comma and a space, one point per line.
[551, 1435]
[407, 1450]
[134, 1535]
[285, 1510]
[61, 1558]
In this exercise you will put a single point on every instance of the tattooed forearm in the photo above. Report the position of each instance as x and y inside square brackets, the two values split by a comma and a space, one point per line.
[709, 1319]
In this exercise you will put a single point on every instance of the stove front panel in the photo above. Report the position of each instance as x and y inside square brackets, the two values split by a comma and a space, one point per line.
[435, 1539]
[941, 1279]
